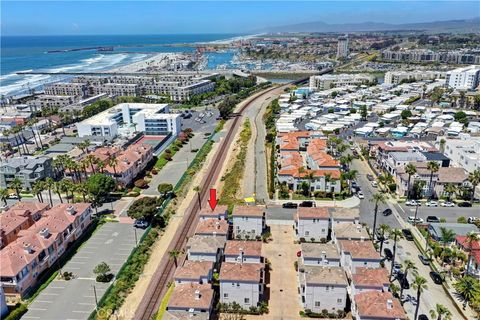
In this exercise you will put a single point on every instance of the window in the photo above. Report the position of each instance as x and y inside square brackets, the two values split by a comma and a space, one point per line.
[339, 300]
[225, 295]
[247, 300]
[307, 233]
[317, 304]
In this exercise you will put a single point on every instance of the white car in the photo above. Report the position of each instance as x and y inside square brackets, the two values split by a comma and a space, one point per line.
[447, 204]
[411, 219]
[432, 204]
[412, 203]
[12, 196]
[374, 184]
[360, 195]
[472, 219]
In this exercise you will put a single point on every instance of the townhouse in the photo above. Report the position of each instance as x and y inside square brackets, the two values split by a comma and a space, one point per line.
[349, 231]
[248, 222]
[28, 169]
[242, 283]
[343, 215]
[243, 251]
[323, 288]
[358, 253]
[374, 305]
[311, 224]
[21, 216]
[205, 248]
[190, 300]
[194, 272]
[38, 247]
[319, 254]
[219, 213]
[212, 227]
[369, 279]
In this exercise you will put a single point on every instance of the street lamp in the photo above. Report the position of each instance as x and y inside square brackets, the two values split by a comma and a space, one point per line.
[95, 295]
[136, 240]
[415, 219]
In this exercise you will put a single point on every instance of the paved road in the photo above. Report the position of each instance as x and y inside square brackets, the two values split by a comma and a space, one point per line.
[450, 214]
[75, 299]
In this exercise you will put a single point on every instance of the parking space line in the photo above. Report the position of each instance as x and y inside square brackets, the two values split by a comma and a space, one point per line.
[43, 301]
[57, 287]
[49, 294]
[86, 304]
[36, 309]
[79, 311]
[76, 262]
[30, 317]
[72, 268]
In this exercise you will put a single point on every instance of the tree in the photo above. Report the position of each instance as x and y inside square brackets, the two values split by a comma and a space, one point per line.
[407, 266]
[441, 312]
[49, 185]
[449, 189]
[363, 112]
[468, 287]
[474, 179]
[384, 228]
[59, 187]
[433, 167]
[471, 239]
[113, 162]
[305, 188]
[99, 186]
[164, 188]
[4, 195]
[406, 114]
[447, 236]
[395, 235]
[144, 208]
[419, 284]
[102, 271]
[173, 255]
[376, 198]
[410, 169]
[16, 184]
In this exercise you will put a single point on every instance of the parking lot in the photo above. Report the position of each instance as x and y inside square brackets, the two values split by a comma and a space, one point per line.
[75, 299]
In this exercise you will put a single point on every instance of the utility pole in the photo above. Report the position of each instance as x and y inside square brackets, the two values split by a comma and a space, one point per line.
[95, 295]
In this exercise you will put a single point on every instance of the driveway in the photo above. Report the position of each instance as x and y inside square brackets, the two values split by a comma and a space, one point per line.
[75, 299]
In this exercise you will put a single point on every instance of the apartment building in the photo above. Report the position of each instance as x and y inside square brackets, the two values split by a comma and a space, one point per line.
[329, 81]
[398, 77]
[342, 47]
[312, 224]
[425, 55]
[38, 247]
[194, 272]
[242, 283]
[21, 216]
[219, 213]
[205, 248]
[370, 279]
[466, 78]
[373, 305]
[117, 89]
[323, 288]
[464, 152]
[319, 254]
[212, 227]
[191, 300]
[28, 169]
[344, 215]
[349, 231]
[50, 101]
[151, 119]
[358, 253]
[66, 89]
[248, 222]
[243, 251]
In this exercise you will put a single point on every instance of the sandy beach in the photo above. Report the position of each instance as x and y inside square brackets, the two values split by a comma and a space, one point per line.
[158, 62]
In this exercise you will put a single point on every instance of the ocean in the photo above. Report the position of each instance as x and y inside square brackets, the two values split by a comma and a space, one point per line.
[29, 54]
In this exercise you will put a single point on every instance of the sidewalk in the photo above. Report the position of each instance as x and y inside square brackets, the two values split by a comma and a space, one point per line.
[351, 202]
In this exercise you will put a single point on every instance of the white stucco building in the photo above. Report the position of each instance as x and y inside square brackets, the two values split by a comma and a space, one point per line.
[243, 251]
[205, 248]
[319, 254]
[466, 78]
[370, 279]
[248, 222]
[312, 223]
[356, 254]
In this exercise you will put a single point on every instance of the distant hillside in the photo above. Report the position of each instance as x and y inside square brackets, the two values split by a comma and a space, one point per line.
[466, 25]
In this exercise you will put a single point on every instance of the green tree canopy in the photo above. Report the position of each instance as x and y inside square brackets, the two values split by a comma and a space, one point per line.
[100, 185]
[144, 208]
[164, 188]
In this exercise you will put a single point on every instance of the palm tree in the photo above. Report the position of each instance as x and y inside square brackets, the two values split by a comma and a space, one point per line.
[395, 234]
[376, 198]
[433, 167]
[84, 165]
[310, 177]
[471, 239]
[447, 236]
[84, 145]
[386, 179]
[419, 284]
[4, 195]
[442, 145]
[410, 169]
[350, 175]
[474, 179]
[174, 254]
[449, 189]
[17, 185]
[49, 185]
[82, 189]
[441, 312]
[37, 189]
[384, 228]
[113, 162]
[91, 160]
[101, 166]
[407, 266]
[468, 287]
[59, 187]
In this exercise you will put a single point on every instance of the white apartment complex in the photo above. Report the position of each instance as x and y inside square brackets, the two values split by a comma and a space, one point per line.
[248, 222]
[312, 223]
[397, 77]
[342, 47]
[329, 81]
[151, 119]
[467, 78]
[464, 152]
[66, 89]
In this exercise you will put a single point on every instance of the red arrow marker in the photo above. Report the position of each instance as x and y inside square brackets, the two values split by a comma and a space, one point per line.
[213, 199]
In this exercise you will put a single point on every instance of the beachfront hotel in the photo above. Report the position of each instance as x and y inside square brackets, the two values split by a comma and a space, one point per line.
[151, 119]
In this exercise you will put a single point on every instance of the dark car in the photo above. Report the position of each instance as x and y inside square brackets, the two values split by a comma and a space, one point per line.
[290, 205]
[424, 259]
[388, 253]
[407, 234]
[404, 283]
[433, 219]
[464, 204]
[436, 277]
[307, 204]
[370, 177]
[422, 317]
[387, 212]
[142, 224]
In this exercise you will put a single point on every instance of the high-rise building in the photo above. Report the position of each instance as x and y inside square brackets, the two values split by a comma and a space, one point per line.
[342, 49]
[467, 78]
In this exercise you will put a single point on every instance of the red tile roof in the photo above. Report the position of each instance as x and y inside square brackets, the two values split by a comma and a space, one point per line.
[249, 248]
[249, 211]
[359, 249]
[370, 277]
[194, 270]
[379, 305]
[191, 295]
[212, 226]
[313, 213]
[232, 271]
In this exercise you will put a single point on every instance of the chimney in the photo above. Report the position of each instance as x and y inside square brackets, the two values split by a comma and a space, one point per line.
[359, 228]
[27, 248]
[324, 255]
[197, 295]
[241, 255]
[217, 224]
[45, 233]
[71, 210]
[389, 304]
[362, 239]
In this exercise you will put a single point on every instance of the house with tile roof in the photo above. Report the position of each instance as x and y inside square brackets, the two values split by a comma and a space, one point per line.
[194, 272]
[191, 299]
[349, 231]
[242, 283]
[473, 267]
[248, 222]
[365, 279]
[220, 212]
[373, 305]
[243, 251]
[358, 253]
[212, 227]
[319, 254]
[205, 248]
[312, 223]
[344, 215]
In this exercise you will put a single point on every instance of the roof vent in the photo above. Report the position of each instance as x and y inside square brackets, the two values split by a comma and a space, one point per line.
[389, 304]
[197, 295]
[71, 210]
[27, 247]
[45, 233]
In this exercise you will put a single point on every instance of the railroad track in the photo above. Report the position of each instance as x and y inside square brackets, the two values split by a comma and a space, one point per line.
[164, 274]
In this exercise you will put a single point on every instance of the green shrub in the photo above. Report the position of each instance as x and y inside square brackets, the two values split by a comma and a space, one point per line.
[18, 312]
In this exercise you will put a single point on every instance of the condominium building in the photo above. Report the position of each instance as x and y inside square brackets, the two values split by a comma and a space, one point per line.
[467, 78]
[151, 119]
[398, 77]
[342, 47]
[190, 301]
[312, 224]
[372, 305]
[319, 254]
[243, 251]
[464, 152]
[66, 89]
[50, 101]
[248, 222]
[329, 81]
[117, 89]
[27, 169]
[356, 254]
[425, 55]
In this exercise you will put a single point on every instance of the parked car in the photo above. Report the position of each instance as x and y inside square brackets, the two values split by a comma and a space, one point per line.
[432, 204]
[388, 254]
[374, 184]
[447, 204]
[433, 219]
[436, 277]
[308, 204]
[142, 224]
[397, 267]
[12, 196]
[424, 259]
[472, 219]
[360, 195]
[464, 204]
[387, 212]
[412, 203]
[370, 177]
[290, 205]
[353, 184]
[411, 219]
[422, 317]
[404, 283]
[407, 234]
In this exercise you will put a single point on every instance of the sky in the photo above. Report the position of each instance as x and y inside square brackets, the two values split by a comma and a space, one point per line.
[194, 17]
